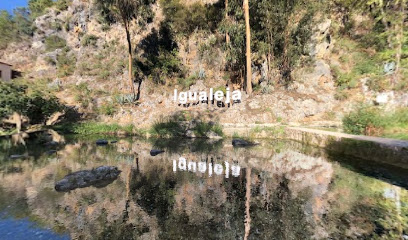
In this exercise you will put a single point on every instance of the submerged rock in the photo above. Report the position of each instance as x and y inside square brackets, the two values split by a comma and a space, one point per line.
[98, 177]
[102, 142]
[242, 143]
[155, 152]
[213, 135]
[190, 134]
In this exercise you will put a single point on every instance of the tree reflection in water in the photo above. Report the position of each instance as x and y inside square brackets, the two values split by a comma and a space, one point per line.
[283, 191]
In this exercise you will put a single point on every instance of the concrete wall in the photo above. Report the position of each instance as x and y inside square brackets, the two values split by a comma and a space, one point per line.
[386, 151]
[382, 150]
[5, 72]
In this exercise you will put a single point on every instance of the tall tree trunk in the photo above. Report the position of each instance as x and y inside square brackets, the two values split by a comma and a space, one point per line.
[269, 57]
[248, 204]
[400, 40]
[248, 48]
[132, 87]
[227, 37]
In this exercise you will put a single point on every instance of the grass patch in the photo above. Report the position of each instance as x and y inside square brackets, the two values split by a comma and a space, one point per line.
[372, 121]
[202, 128]
[167, 128]
[272, 132]
[90, 128]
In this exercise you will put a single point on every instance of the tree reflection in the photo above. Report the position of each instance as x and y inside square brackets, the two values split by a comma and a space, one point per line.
[286, 195]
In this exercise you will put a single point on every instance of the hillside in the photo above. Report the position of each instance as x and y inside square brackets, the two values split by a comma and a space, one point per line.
[318, 63]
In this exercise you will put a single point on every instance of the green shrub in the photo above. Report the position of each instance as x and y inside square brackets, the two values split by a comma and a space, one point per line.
[89, 40]
[38, 7]
[36, 106]
[363, 65]
[167, 128]
[54, 42]
[50, 60]
[377, 83]
[108, 109]
[340, 95]
[13, 98]
[222, 89]
[202, 128]
[186, 83]
[40, 108]
[62, 5]
[126, 99]
[104, 74]
[65, 63]
[365, 120]
[56, 26]
[83, 94]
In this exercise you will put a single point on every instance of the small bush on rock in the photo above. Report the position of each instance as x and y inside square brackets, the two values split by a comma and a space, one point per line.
[54, 42]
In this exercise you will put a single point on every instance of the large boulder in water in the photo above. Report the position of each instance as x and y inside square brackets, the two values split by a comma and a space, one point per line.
[98, 177]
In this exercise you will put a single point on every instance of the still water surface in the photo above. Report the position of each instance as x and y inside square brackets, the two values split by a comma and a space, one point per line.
[199, 190]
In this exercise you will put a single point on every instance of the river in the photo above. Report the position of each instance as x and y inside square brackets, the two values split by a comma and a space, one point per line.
[198, 189]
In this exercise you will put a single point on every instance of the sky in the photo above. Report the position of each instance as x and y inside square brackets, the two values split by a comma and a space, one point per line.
[9, 5]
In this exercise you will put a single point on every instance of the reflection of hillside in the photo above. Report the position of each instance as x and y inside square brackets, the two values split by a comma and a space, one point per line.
[288, 195]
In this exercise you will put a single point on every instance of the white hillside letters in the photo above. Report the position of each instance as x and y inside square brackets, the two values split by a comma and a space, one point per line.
[203, 167]
[184, 97]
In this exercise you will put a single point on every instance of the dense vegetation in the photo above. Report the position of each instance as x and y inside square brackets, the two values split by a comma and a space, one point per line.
[369, 35]
[280, 36]
[373, 121]
[19, 25]
[14, 28]
[33, 104]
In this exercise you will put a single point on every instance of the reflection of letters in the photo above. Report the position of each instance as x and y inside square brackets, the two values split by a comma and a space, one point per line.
[226, 169]
[202, 167]
[216, 168]
[235, 170]
[182, 163]
[192, 166]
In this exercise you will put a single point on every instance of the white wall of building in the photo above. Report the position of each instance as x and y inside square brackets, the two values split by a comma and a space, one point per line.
[5, 72]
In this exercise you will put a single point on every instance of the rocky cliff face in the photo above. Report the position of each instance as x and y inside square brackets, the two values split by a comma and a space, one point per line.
[88, 67]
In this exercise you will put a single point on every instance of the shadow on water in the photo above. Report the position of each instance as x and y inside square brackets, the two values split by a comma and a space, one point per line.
[198, 145]
[371, 160]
